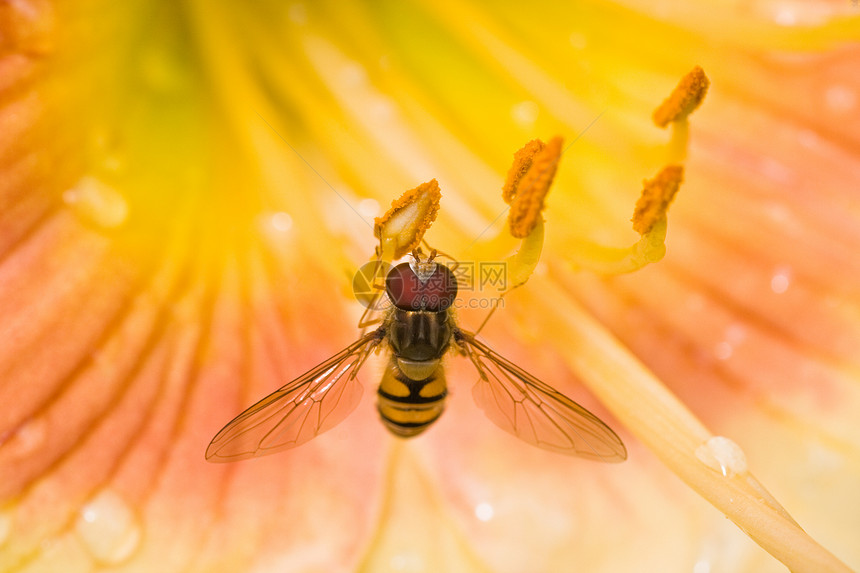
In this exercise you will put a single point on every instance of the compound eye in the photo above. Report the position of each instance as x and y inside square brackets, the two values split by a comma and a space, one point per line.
[408, 292]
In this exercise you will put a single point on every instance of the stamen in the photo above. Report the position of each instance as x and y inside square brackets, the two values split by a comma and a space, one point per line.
[656, 196]
[522, 162]
[401, 229]
[532, 187]
[684, 99]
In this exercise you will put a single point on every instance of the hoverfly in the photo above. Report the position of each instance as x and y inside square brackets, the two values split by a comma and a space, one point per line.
[418, 328]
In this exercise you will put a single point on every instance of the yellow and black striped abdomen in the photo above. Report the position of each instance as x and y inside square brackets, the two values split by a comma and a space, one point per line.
[411, 395]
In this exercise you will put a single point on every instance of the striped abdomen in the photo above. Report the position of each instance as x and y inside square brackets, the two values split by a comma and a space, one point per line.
[411, 395]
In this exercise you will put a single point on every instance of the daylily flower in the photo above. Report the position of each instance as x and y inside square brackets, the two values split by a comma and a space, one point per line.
[188, 189]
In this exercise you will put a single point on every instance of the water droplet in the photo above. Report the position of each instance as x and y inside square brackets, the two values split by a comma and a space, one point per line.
[97, 203]
[776, 170]
[5, 524]
[368, 207]
[781, 280]
[785, 16]
[27, 439]
[723, 350]
[525, 113]
[779, 213]
[808, 138]
[281, 222]
[840, 99]
[823, 460]
[484, 511]
[732, 337]
[723, 455]
[108, 528]
[353, 74]
[105, 150]
[735, 334]
[275, 229]
[702, 566]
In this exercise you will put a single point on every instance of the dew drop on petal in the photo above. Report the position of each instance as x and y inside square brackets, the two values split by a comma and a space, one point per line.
[776, 171]
[840, 99]
[97, 203]
[275, 226]
[785, 16]
[108, 528]
[779, 213]
[723, 455]
[105, 149]
[28, 438]
[353, 74]
[368, 207]
[525, 113]
[781, 280]
[281, 222]
[735, 334]
[808, 138]
[822, 463]
[484, 511]
[723, 350]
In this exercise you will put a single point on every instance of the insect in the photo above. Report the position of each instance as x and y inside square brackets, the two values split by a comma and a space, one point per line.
[418, 328]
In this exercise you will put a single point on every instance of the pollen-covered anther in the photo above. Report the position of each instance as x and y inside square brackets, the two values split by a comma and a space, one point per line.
[684, 99]
[531, 189]
[522, 162]
[402, 227]
[657, 195]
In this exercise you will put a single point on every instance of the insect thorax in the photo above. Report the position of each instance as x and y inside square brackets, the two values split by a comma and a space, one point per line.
[419, 335]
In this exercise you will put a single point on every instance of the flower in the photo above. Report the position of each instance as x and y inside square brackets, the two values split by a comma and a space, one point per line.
[188, 189]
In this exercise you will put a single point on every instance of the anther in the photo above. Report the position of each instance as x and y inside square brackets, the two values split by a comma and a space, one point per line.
[402, 227]
[522, 162]
[684, 99]
[527, 201]
[656, 196]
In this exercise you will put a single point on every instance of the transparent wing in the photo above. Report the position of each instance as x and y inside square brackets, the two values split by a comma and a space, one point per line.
[535, 412]
[306, 407]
